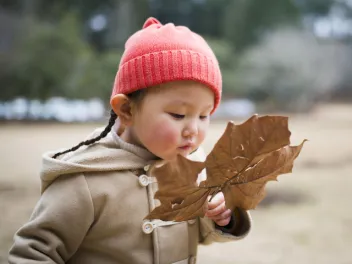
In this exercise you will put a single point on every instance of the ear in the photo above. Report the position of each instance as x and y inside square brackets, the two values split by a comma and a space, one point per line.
[122, 106]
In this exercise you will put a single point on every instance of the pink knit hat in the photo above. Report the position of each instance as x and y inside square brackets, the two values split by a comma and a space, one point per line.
[162, 53]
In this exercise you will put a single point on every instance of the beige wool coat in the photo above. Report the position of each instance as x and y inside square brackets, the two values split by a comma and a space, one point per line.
[92, 208]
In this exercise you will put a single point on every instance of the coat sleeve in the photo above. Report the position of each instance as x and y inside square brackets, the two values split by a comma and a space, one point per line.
[238, 228]
[58, 223]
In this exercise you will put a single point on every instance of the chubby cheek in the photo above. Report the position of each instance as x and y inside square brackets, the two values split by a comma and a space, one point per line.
[161, 135]
[202, 132]
[201, 136]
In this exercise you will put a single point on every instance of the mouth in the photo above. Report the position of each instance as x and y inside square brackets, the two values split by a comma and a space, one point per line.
[186, 147]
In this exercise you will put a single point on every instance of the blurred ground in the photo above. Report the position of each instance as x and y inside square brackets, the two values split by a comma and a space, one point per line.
[306, 217]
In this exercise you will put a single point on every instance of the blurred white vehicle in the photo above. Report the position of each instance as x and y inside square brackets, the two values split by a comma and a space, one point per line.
[56, 108]
[235, 108]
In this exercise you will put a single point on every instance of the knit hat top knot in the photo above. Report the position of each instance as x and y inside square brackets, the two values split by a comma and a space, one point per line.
[162, 53]
[151, 21]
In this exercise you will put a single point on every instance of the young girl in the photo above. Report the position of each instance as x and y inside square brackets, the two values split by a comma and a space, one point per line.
[95, 195]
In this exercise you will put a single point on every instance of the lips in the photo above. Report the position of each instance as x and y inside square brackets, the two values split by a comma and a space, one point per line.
[186, 147]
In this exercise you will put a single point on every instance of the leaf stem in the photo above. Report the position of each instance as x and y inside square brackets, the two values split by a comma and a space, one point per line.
[215, 193]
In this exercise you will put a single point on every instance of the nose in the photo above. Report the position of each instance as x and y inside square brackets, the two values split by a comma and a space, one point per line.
[191, 128]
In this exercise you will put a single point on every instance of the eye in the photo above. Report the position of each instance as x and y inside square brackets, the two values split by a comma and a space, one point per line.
[203, 117]
[177, 116]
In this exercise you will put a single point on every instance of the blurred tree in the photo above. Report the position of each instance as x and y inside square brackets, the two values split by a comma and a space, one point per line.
[246, 21]
[14, 5]
[94, 76]
[241, 22]
[225, 55]
[126, 18]
[53, 10]
[208, 17]
[316, 7]
[290, 70]
[232, 27]
[44, 61]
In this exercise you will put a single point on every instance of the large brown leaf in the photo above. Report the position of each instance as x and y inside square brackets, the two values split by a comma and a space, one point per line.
[178, 192]
[243, 160]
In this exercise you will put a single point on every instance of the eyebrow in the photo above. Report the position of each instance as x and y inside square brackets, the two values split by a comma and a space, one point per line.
[180, 102]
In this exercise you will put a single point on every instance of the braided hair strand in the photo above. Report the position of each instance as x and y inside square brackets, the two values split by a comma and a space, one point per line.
[103, 134]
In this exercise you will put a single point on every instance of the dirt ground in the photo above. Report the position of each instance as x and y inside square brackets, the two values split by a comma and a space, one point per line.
[306, 217]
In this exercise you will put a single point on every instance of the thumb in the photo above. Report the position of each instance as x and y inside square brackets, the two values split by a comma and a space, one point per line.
[217, 200]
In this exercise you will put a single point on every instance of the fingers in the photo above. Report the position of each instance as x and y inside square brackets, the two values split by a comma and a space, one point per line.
[223, 222]
[225, 215]
[217, 210]
[223, 219]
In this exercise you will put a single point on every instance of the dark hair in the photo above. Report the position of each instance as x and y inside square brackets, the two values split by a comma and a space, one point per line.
[136, 97]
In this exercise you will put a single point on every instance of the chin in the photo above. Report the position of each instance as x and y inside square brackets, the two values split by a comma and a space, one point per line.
[173, 156]
[184, 153]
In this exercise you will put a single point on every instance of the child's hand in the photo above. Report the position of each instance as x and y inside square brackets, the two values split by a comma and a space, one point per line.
[217, 210]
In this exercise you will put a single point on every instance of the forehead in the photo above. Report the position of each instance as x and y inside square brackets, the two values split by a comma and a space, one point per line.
[183, 92]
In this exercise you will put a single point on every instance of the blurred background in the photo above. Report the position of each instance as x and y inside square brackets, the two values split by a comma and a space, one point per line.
[58, 60]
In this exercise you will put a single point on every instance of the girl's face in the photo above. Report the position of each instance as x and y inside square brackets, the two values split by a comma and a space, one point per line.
[173, 119]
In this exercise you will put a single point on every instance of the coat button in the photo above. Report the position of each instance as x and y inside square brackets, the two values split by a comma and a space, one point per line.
[147, 227]
[143, 180]
[192, 260]
[192, 221]
[146, 167]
